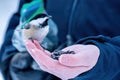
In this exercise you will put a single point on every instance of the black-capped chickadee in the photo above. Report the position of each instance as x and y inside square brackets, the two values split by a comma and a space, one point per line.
[36, 29]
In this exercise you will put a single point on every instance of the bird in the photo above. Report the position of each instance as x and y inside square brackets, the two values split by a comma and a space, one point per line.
[36, 29]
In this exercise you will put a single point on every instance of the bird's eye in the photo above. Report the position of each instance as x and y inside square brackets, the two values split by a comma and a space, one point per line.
[45, 23]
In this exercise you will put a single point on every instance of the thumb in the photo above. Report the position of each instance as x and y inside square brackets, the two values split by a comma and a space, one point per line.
[73, 60]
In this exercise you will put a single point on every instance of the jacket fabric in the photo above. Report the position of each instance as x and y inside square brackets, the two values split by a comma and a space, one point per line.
[87, 22]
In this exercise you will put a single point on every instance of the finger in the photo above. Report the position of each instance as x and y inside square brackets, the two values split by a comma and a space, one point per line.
[45, 62]
[29, 45]
[41, 57]
[73, 60]
[38, 45]
[47, 52]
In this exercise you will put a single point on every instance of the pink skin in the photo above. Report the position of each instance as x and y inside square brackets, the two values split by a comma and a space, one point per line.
[69, 65]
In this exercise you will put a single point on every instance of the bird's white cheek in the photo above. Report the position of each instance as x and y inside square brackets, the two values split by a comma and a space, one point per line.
[36, 34]
[29, 33]
[41, 34]
[25, 34]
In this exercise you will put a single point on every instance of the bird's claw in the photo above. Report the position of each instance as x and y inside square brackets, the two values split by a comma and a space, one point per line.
[31, 39]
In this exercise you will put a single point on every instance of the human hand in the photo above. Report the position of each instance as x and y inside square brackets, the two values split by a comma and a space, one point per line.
[85, 55]
[61, 68]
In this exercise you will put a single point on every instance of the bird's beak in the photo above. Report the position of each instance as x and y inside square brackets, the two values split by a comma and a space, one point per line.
[49, 17]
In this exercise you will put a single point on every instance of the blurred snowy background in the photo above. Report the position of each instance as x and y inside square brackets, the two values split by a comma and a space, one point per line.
[7, 8]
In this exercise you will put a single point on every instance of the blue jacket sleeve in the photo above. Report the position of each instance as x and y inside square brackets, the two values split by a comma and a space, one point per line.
[108, 65]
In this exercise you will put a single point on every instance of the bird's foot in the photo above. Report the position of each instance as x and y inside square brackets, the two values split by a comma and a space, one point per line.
[31, 39]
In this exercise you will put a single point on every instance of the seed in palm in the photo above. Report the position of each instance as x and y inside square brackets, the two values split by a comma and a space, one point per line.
[55, 55]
